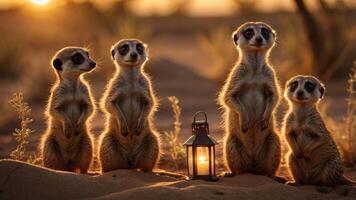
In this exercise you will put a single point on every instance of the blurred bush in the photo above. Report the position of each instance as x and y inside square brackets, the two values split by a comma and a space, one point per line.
[219, 46]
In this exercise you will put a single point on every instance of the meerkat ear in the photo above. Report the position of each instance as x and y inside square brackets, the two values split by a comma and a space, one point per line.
[322, 91]
[235, 37]
[57, 63]
[274, 33]
[112, 53]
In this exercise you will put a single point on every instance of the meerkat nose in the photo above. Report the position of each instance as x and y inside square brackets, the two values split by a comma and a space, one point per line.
[259, 40]
[92, 64]
[133, 55]
[300, 93]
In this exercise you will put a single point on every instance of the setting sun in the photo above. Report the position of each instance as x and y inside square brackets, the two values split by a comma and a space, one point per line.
[40, 2]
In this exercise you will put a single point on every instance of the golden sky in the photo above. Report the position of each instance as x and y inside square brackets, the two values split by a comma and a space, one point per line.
[194, 7]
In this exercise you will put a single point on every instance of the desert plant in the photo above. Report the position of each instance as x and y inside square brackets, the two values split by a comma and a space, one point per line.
[328, 37]
[343, 133]
[176, 150]
[21, 135]
[351, 117]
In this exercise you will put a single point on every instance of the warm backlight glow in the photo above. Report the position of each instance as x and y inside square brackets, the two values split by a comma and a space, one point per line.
[40, 2]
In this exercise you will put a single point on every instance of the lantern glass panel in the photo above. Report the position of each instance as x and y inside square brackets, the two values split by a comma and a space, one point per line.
[190, 160]
[202, 161]
[212, 156]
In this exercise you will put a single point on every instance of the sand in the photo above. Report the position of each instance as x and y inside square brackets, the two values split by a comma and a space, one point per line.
[19, 180]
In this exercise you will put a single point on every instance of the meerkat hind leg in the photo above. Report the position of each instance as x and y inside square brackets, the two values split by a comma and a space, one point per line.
[52, 158]
[85, 155]
[268, 157]
[111, 155]
[148, 154]
[237, 159]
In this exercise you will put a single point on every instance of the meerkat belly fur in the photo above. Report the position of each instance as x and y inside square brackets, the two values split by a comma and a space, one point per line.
[67, 143]
[129, 140]
[313, 157]
[249, 97]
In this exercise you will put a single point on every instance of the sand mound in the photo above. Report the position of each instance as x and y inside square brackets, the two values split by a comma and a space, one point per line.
[20, 180]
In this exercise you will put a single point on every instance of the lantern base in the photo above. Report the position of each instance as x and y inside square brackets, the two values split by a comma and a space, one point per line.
[205, 178]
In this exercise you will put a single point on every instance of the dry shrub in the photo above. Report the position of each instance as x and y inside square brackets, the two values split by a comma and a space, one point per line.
[343, 134]
[175, 148]
[21, 135]
[218, 44]
[351, 119]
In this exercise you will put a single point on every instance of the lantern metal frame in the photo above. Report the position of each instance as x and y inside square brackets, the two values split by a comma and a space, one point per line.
[201, 138]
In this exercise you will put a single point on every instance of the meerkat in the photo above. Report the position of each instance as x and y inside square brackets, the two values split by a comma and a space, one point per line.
[249, 97]
[67, 143]
[129, 140]
[313, 157]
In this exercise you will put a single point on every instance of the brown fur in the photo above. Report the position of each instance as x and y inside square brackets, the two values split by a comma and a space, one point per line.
[129, 140]
[313, 157]
[249, 98]
[67, 143]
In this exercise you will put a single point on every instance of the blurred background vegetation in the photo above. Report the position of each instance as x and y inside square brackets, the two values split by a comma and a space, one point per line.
[191, 52]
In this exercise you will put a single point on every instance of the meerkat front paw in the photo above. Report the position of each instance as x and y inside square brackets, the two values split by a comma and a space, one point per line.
[78, 128]
[124, 131]
[245, 125]
[67, 130]
[264, 123]
[138, 128]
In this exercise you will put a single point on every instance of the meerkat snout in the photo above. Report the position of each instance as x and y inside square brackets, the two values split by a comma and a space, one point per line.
[254, 36]
[72, 60]
[129, 52]
[304, 90]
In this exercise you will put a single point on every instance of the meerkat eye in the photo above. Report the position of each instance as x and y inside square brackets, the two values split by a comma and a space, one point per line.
[309, 87]
[77, 58]
[124, 49]
[265, 33]
[139, 48]
[248, 33]
[293, 86]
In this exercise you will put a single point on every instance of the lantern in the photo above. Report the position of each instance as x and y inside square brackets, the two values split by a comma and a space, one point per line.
[201, 151]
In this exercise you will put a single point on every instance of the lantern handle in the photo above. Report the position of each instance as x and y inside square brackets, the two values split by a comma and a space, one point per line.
[200, 112]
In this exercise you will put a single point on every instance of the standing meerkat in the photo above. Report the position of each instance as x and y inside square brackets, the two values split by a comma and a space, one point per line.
[313, 157]
[129, 140]
[249, 97]
[67, 143]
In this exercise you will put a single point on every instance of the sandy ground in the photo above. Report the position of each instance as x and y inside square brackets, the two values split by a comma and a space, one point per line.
[20, 180]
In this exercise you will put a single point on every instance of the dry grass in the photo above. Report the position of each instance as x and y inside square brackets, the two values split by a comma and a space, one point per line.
[175, 148]
[351, 119]
[21, 135]
[343, 133]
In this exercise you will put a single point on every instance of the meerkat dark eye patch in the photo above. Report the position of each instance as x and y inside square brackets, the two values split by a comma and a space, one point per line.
[248, 33]
[140, 48]
[77, 58]
[265, 33]
[293, 86]
[124, 49]
[309, 87]
[57, 64]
